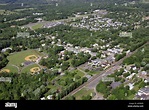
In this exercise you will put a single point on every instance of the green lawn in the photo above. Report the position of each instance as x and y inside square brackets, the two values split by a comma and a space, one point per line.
[19, 57]
[93, 72]
[131, 97]
[27, 69]
[36, 26]
[145, 1]
[6, 12]
[82, 92]
[68, 76]
[11, 68]
[79, 73]
[23, 9]
[2, 11]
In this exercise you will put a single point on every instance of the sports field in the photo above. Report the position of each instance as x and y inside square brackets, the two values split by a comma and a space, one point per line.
[29, 68]
[11, 68]
[19, 57]
[16, 59]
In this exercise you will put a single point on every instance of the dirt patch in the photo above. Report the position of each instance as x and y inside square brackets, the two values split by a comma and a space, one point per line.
[31, 58]
[35, 69]
[5, 70]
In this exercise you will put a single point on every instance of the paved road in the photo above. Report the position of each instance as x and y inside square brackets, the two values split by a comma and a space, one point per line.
[98, 96]
[95, 79]
[92, 84]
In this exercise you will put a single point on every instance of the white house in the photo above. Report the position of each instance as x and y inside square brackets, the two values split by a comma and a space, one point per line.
[43, 98]
[130, 76]
[43, 45]
[95, 45]
[134, 68]
[131, 86]
[5, 49]
[146, 80]
[144, 73]
[50, 97]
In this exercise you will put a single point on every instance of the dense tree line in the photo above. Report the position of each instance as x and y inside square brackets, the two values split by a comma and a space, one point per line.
[24, 86]
[119, 56]
[71, 88]
[3, 60]
[81, 58]
[140, 58]
[119, 93]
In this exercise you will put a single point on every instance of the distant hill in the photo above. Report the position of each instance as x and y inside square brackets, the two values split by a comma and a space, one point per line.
[24, 1]
[145, 1]
[62, 1]
[7, 1]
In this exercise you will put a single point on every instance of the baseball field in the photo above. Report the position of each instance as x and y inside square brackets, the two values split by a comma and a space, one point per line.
[18, 58]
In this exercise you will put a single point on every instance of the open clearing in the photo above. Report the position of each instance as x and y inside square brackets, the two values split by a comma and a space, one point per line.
[36, 26]
[16, 59]
[19, 57]
[5, 70]
[4, 12]
[30, 67]
[23, 9]
[145, 1]
[31, 58]
[34, 69]
[82, 92]
[79, 73]
[11, 68]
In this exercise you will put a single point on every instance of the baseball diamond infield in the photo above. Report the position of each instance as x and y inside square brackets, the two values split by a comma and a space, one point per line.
[5, 70]
[35, 69]
[31, 58]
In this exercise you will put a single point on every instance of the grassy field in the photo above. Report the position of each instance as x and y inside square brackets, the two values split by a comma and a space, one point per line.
[11, 68]
[131, 97]
[27, 69]
[3, 4]
[82, 92]
[23, 9]
[77, 73]
[36, 26]
[19, 57]
[145, 1]
[2, 12]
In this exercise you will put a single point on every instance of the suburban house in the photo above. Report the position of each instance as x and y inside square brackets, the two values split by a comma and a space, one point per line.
[115, 84]
[50, 97]
[144, 73]
[23, 34]
[5, 49]
[143, 93]
[110, 59]
[37, 13]
[39, 19]
[126, 34]
[131, 86]
[43, 98]
[130, 76]
[146, 80]
[98, 62]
